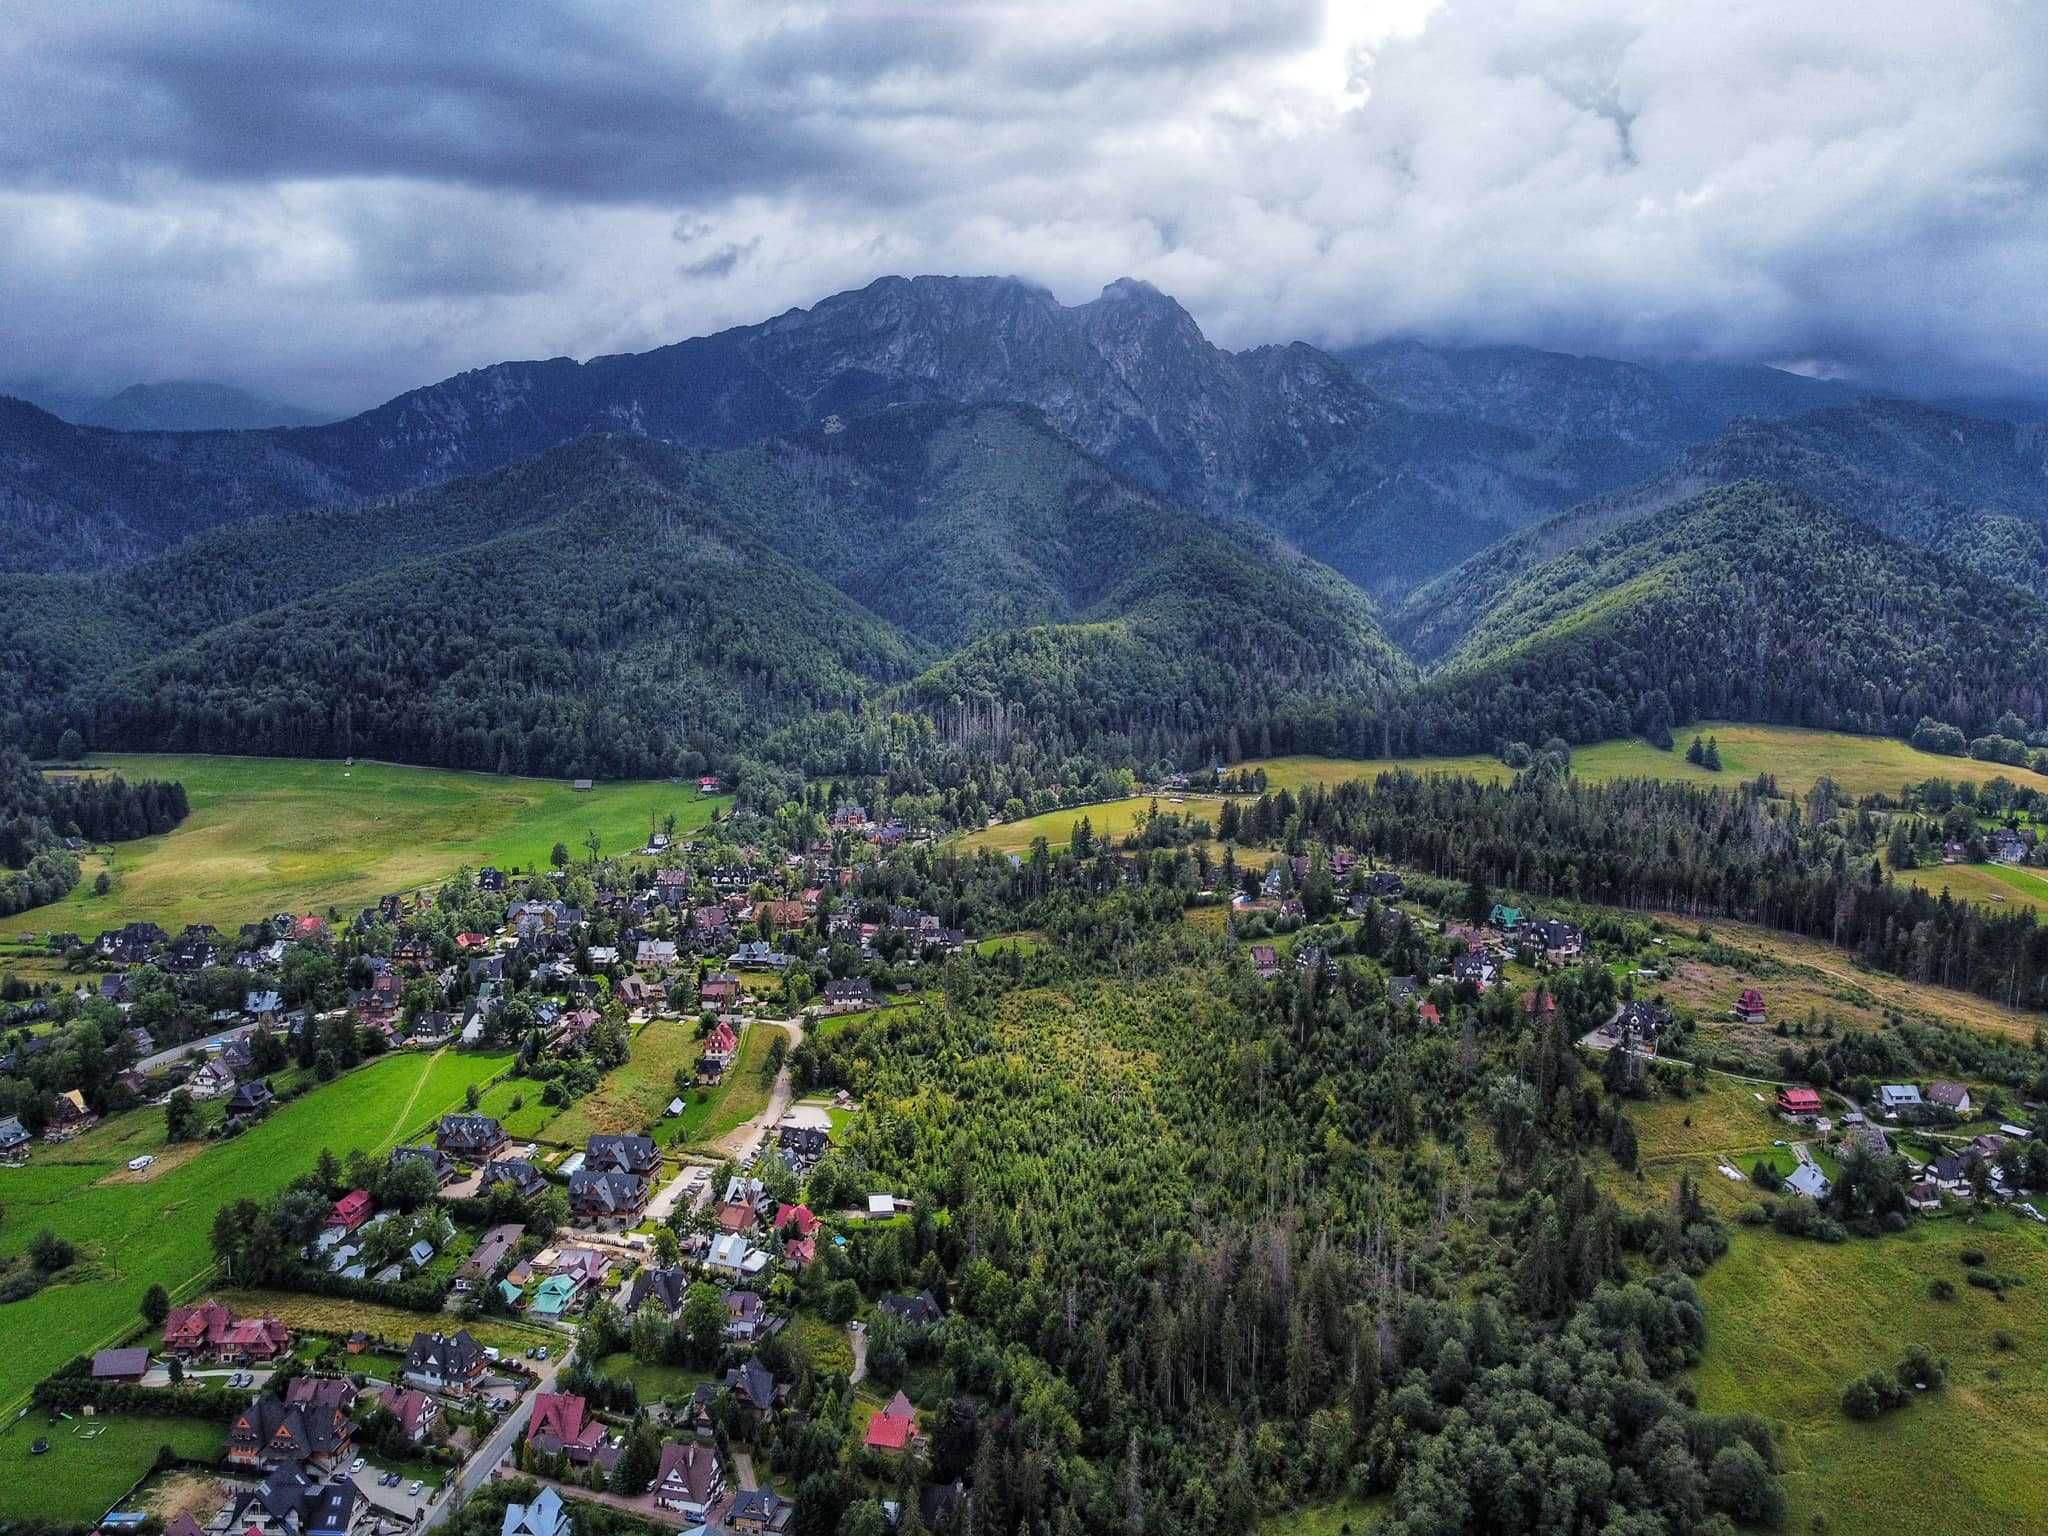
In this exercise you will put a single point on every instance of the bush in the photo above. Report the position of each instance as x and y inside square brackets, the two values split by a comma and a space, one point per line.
[1941, 1290]
[1973, 1257]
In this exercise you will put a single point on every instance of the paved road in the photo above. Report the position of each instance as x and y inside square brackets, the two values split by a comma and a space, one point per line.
[179, 1052]
[743, 1470]
[857, 1336]
[740, 1144]
[478, 1468]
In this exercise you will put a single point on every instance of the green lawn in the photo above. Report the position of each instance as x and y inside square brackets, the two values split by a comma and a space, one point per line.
[272, 834]
[633, 1096]
[1791, 1322]
[530, 1118]
[653, 1381]
[740, 1097]
[132, 1232]
[91, 1463]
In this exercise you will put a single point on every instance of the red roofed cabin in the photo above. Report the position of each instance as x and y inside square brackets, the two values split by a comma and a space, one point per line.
[894, 1427]
[1798, 1102]
[210, 1331]
[352, 1210]
[1749, 1007]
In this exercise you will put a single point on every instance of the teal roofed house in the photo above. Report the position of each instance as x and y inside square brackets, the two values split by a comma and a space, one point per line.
[1507, 919]
[556, 1295]
[510, 1292]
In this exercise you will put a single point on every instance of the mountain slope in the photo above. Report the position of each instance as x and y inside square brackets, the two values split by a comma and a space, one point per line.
[1973, 490]
[1748, 602]
[618, 603]
[1388, 488]
[193, 405]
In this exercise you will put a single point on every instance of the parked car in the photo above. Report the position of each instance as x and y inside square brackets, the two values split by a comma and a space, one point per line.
[356, 1465]
[415, 1489]
[137, 1164]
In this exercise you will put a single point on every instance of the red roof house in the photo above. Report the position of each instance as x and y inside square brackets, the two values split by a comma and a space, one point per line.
[1750, 1006]
[1798, 1101]
[210, 1329]
[894, 1427]
[562, 1422]
[352, 1210]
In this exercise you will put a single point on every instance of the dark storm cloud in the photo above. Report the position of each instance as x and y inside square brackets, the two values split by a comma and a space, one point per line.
[334, 202]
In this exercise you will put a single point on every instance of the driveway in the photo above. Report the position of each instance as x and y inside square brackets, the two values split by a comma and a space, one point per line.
[664, 1203]
[741, 1144]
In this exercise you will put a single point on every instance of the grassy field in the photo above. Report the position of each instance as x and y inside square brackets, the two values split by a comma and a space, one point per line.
[275, 834]
[823, 1345]
[1800, 975]
[91, 1463]
[1340, 1517]
[633, 1096]
[1995, 885]
[1860, 764]
[130, 1234]
[1791, 1322]
[740, 1097]
[337, 1317]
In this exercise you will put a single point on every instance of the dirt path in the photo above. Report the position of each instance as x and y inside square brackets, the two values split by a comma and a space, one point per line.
[405, 1114]
[739, 1144]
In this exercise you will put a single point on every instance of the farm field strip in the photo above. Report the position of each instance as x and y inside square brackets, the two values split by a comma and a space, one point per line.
[284, 834]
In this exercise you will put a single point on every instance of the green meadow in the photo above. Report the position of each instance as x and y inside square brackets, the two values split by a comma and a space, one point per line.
[1791, 1322]
[289, 834]
[91, 1463]
[134, 1230]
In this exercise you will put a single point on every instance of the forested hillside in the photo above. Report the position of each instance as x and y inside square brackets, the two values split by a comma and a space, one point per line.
[621, 607]
[1974, 490]
[1750, 602]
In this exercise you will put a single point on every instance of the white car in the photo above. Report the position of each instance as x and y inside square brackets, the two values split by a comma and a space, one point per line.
[356, 1465]
[137, 1164]
[414, 1490]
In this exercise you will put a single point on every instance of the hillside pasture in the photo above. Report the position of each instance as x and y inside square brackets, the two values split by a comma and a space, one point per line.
[286, 834]
[1791, 1322]
[129, 1235]
[1993, 885]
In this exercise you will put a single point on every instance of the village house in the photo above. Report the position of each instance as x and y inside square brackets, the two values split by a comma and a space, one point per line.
[472, 1138]
[492, 1251]
[606, 1196]
[804, 1145]
[69, 1115]
[1265, 961]
[637, 1155]
[1798, 1103]
[855, 994]
[1953, 1097]
[351, 1210]
[663, 1289]
[919, 1311]
[415, 1411]
[545, 1516]
[562, 1425]
[755, 1389]
[450, 1364]
[526, 1180]
[689, 1480]
[1749, 1008]
[1476, 968]
[209, 1331]
[759, 1512]
[312, 1423]
[1899, 1098]
[893, 1429]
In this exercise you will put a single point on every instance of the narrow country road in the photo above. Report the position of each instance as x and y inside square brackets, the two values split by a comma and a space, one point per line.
[475, 1470]
[740, 1144]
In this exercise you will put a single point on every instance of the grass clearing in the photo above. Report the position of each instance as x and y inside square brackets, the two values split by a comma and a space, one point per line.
[1792, 1322]
[130, 1235]
[275, 834]
[1338, 1517]
[337, 1317]
[91, 1463]
[1994, 885]
[654, 1382]
[633, 1095]
[824, 1345]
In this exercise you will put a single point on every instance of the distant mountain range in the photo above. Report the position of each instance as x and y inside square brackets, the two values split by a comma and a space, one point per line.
[1026, 522]
[181, 405]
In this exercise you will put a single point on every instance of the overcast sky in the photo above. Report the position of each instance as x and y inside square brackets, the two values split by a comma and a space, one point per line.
[335, 202]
